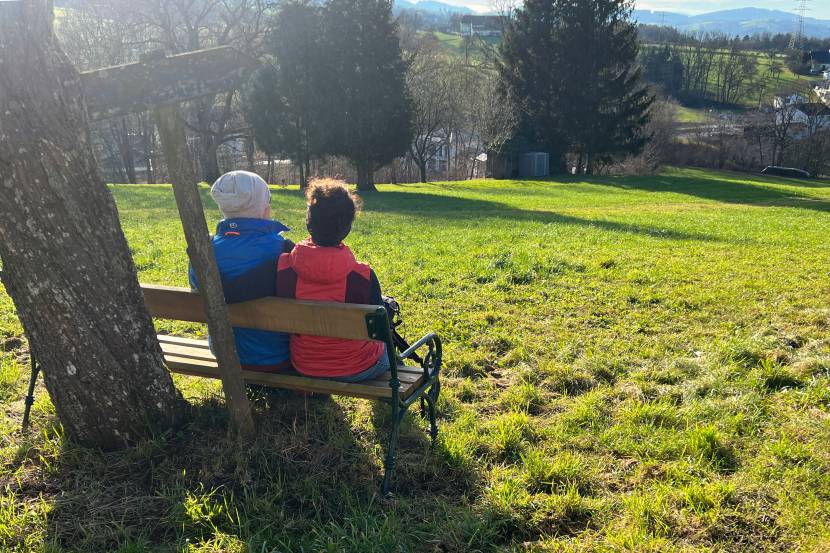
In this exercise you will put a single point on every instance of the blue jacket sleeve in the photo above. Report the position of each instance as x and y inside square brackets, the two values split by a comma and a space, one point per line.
[191, 276]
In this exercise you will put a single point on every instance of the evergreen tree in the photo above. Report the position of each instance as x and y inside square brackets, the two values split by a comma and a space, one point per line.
[367, 109]
[284, 98]
[664, 68]
[570, 67]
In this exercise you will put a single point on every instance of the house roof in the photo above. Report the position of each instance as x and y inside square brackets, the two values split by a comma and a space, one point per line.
[820, 56]
[815, 109]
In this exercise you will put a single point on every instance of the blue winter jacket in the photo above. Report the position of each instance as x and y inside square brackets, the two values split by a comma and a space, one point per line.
[251, 248]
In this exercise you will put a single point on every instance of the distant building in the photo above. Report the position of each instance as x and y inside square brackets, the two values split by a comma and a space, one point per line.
[534, 164]
[816, 112]
[481, 25]
[804, 112]
[512, 164]
[819, 61]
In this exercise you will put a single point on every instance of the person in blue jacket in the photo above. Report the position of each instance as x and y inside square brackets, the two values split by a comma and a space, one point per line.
[248, 244]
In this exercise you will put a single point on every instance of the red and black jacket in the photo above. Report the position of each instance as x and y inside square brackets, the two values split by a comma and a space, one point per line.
[312, 272]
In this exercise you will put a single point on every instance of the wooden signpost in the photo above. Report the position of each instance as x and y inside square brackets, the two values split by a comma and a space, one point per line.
[161, 83]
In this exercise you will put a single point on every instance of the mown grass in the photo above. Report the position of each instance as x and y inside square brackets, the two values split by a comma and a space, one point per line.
[637, 363]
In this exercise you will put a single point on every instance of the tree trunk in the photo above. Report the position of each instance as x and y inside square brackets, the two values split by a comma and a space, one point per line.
[210, 158]
[365, 177]
[66, 263]
[126, 148]
[422, 169]
[250, 152]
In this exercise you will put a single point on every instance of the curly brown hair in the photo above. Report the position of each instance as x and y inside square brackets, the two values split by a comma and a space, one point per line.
[331, 211]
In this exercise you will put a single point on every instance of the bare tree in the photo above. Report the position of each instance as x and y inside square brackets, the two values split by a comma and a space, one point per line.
[429, 79]
[780, 124]
[93, 40]
[814, 151]
[185, 25]
[487, 118]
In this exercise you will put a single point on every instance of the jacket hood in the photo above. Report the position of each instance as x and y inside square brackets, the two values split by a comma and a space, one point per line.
[322, 264]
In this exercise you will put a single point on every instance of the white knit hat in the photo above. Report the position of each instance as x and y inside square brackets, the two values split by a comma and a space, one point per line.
[241, 194]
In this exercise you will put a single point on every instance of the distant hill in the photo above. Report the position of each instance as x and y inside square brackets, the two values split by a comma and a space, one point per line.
[431, 7]
[744, 21]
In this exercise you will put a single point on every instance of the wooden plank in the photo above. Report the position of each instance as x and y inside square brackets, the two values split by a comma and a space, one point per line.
[163, 81]
[198, 354]
[330, 319]
[192, 342]
[199, 349]
[374, 389]
[181, 350]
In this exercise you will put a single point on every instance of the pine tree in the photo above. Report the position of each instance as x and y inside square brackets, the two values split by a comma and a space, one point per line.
[367, 109]
[284, 98]
[570, 67]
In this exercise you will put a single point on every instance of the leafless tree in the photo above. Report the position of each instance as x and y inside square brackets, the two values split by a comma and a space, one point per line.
[429, 79]
[781, 119]
[177, 26]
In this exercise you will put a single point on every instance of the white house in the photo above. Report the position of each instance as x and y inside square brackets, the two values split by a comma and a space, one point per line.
[804, 112]
[481, 25]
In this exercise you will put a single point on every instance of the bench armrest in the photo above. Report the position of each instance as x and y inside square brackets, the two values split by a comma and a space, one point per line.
[431, 362]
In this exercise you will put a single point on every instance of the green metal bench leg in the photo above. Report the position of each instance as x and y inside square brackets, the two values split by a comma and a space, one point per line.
[30, 396]
[389, 465]
[431, 398]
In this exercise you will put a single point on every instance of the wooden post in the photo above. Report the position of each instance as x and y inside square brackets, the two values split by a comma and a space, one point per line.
[200, 250]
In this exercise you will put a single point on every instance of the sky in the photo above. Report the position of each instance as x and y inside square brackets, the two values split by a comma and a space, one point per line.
[818, 8]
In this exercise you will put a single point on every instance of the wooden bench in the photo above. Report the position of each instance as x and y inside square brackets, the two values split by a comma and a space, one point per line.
[401, 387]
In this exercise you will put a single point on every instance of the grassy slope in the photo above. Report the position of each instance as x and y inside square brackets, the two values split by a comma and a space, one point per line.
[631, 363]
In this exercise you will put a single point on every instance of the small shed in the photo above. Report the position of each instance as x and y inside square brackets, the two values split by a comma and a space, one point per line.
[534, 164]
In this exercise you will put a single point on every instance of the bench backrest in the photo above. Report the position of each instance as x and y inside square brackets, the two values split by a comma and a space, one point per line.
[333, 320]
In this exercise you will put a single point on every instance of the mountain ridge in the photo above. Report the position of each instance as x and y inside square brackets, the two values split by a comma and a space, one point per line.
[738, 21]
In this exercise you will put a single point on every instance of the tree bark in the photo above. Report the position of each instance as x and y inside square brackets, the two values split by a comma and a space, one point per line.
[67, 266]
[210, 158]
[422, 170]
[365, 177]
[250, 152]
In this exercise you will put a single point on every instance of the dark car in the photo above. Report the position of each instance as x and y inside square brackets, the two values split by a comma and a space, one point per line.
[786, 172]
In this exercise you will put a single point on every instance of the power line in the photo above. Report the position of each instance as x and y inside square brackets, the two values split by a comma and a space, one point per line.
[797, 38]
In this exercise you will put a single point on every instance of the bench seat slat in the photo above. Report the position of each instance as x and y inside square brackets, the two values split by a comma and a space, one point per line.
[194, 359]
[193, 342]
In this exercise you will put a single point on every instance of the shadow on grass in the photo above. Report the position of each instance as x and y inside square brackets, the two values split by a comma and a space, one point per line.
[418, 204]
[305, 481]
[721, 188]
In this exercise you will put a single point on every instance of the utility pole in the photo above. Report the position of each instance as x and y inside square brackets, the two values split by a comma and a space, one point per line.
[797, 38]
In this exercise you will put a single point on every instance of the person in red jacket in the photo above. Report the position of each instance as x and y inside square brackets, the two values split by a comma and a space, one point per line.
[322, 268]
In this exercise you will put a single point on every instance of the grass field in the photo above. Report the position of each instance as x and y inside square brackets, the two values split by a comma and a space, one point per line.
[632, 364]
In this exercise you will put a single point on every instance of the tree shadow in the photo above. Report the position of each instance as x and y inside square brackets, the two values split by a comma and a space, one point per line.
[454, 208]
[309, 467]
[730, 188]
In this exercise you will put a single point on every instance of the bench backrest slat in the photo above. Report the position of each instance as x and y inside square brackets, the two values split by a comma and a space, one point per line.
[333, 320]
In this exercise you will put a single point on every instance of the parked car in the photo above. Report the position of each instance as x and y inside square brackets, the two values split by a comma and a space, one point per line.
[786, 172]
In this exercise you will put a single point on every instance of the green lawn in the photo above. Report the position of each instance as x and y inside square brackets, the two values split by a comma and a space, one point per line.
[633, 363]
[692, 115]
